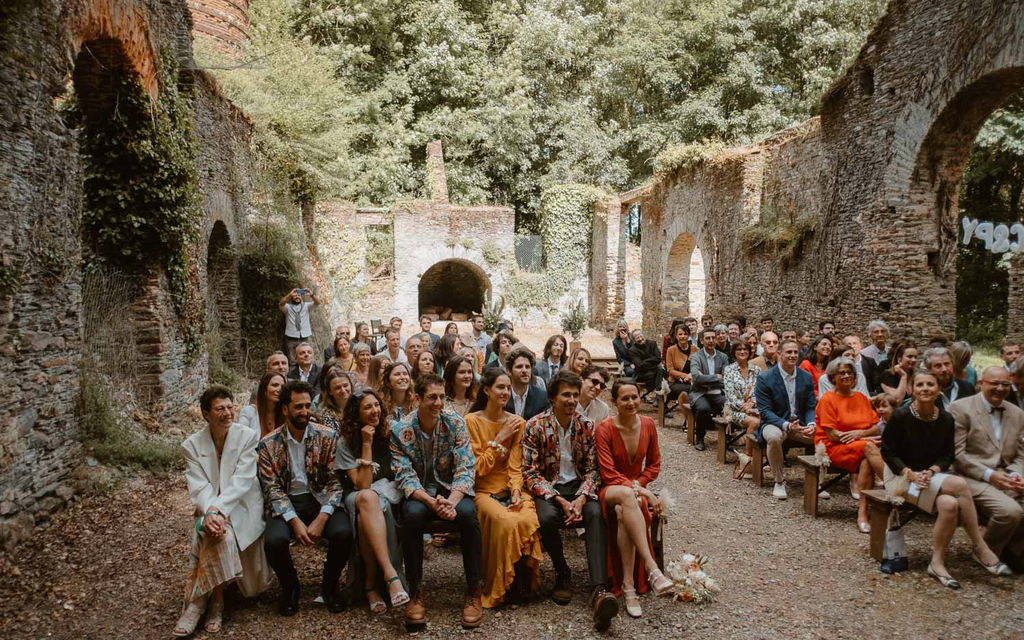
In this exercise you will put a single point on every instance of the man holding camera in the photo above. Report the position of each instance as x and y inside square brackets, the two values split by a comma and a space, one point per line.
[297, 328]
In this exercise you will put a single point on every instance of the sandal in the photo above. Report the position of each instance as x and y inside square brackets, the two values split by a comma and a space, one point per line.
[400, 597]
[742, 467]
[214, 616]
[632, 603]
[186, 625]
[659, 583]
[377, 605]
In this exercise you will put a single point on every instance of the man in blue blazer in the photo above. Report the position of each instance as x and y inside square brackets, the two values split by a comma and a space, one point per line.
[786, 401]
[526, 400]
[707, 397]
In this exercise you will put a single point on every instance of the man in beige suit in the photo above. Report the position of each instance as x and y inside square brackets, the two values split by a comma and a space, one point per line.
[990, 455]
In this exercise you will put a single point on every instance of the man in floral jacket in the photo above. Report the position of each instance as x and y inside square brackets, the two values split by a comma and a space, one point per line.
[560, 470]
[434, 468]
[302, 497]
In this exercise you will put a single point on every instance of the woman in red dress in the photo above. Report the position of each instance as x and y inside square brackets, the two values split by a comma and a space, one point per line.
[848, 425]
[629, 459]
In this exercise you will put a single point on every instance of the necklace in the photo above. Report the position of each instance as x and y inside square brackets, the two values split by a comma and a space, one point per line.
[917, 414]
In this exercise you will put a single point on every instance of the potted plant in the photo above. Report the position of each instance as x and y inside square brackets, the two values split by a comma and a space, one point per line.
[574, 322]
[493, 312]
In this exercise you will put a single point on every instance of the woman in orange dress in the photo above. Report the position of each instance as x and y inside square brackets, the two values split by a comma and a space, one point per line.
[848, 425]
[817, 359]
[629, 459]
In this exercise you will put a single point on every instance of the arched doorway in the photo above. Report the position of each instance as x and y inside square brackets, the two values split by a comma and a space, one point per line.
[683, 293]
[222, 299]
[452, 287]
[939, 191]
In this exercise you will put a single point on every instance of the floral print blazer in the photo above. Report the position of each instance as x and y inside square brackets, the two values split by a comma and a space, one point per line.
[454, 463]
[542, 455]
[274, 469]
[738, 390]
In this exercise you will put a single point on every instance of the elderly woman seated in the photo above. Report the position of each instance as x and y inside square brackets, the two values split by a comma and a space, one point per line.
[848, 425]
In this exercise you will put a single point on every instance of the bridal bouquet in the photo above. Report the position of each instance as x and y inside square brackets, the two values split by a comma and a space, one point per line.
[690, 582]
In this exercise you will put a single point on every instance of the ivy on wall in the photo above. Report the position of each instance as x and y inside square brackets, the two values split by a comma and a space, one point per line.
[140, 191]
[688, 155]
[567, 213]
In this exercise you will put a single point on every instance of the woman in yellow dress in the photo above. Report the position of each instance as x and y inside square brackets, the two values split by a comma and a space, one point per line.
[508, 518]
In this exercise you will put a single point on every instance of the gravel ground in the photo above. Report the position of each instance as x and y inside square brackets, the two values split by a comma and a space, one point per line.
[113, 567]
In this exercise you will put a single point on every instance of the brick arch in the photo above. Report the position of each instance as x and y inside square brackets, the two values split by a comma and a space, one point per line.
[122, 22]
[455, 283]
[680, 297]
[222, 286]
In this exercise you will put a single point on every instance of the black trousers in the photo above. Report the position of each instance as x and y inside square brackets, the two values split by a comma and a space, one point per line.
[337, 533]
[705, 408]
[651, 377]
[552, 520]
[416, 516]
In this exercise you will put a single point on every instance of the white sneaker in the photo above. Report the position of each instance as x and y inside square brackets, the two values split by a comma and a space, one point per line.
[779, 492]
[824, 495]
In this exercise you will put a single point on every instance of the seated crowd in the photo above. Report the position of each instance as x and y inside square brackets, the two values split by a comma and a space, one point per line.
[389, 442]
[924, 423]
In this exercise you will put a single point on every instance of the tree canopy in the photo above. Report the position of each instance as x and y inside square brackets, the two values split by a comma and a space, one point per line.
[526, 93]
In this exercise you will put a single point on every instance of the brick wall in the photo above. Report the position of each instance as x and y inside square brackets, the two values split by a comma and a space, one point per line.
[41, 312]
[225, 22]
[879, 174]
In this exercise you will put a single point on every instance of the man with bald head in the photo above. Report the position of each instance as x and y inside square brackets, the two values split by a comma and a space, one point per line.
[769, 351]
[990, 456]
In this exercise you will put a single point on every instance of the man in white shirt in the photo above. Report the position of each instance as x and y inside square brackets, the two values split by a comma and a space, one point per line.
[425, 334]
[561, 473]
[873, 354]
[595, 380]
[296, 312]
[305, 369]
[480, 338]
[990, 457]
[302, 497]
[393, 351]
[707, 395]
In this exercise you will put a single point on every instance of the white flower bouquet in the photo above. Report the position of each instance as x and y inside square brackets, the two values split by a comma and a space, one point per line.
[690, 582]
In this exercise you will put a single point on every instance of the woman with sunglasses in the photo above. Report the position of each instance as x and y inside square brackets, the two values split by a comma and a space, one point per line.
[595, 379]
[508, 518]
[363, 460]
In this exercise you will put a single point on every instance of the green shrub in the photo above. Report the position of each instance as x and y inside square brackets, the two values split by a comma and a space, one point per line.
[782, 237]
[116, 440]
[575, 320]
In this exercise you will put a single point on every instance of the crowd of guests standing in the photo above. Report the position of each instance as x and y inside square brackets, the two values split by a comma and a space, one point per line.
[393, 440]
[919, 421]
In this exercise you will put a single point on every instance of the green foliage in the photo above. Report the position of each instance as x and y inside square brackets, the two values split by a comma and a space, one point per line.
[140, 191]
[782, 237]
[267, 269]
[529, 92]
[991, 190]
[114, 439]
[493, 314]
[688, 155]
[493, 254]
[575, 320]
[380, 249]
[219, 371]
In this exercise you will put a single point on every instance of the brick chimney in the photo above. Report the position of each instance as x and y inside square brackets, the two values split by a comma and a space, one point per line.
[436, 181]
[224, 22]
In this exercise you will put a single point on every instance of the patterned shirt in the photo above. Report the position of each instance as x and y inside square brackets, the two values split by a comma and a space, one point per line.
[274, 467]
[453, 464]
[542, 454]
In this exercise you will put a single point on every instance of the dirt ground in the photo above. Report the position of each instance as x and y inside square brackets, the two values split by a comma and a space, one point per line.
[113, 566]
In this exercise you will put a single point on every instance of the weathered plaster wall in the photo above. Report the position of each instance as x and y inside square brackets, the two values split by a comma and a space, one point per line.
[879, 175]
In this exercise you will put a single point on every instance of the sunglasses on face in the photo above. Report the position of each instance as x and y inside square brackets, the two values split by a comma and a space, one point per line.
[597, 382]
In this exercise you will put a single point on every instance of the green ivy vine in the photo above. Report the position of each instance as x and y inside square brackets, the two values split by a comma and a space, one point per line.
[141, 199]
[566, 220]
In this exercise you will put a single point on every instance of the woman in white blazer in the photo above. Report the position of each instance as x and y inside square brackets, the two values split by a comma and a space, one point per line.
[220, 467]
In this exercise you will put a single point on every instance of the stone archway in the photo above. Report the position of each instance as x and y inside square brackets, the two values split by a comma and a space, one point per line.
[684, 289]
[222, 296]
[453, 286]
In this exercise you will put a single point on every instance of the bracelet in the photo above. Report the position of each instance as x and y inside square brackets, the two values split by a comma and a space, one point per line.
[362, 462]
[498, 447]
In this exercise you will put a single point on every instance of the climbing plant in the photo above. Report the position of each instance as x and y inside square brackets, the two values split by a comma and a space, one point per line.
[566, 218]
[140, 196]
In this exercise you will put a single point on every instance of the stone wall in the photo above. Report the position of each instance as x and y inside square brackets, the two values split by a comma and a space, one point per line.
[224, 22]
[41, 280]
[876, 178]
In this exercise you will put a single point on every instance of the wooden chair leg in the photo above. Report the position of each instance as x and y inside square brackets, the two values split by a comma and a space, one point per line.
[723, 442]
[811, 490]
[661, 412]
[758, 464]
[690, 427]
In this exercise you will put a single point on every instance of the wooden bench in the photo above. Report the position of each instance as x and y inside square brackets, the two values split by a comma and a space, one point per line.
[812, 482]
[729, 434]
[760, 452]
[880, 507]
